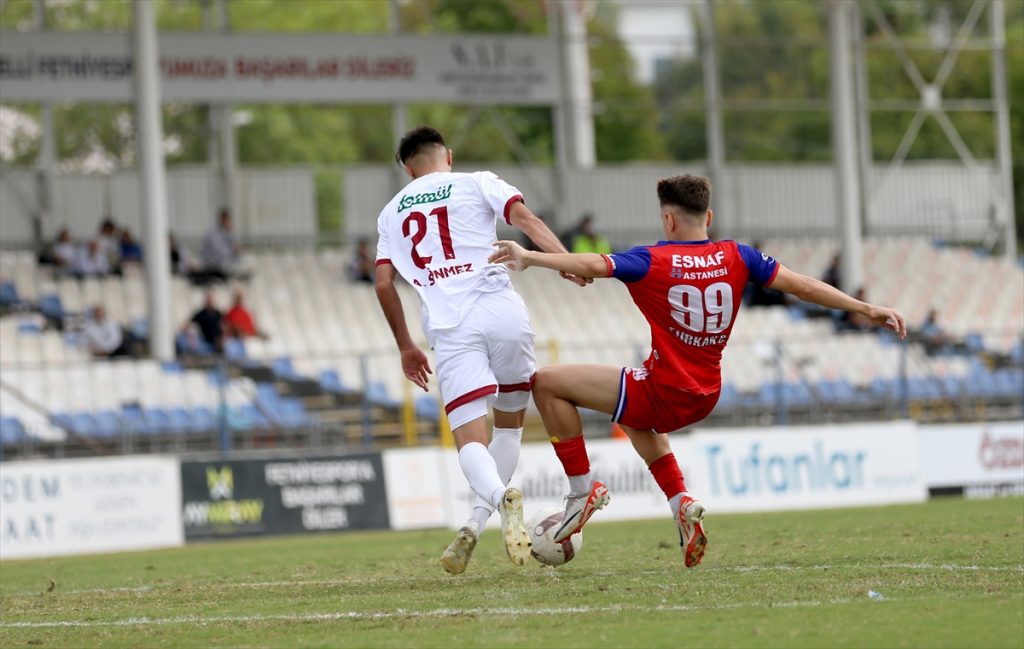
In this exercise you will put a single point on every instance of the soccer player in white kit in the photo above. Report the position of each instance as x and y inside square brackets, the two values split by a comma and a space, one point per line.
[437, 233]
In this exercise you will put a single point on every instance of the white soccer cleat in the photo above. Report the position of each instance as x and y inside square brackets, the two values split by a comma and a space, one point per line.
[579, 509]
[692, 538]
[517, 541]
[456, 555]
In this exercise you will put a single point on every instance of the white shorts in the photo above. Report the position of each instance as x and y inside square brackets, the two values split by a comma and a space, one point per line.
[487, 358]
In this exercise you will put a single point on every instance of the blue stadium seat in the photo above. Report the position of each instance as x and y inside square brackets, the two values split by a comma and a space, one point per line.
[12, 431]
[331, 381]
[428, 408]
[249, 417]
[172, 367]
[377, 394]
[291, 413]
[84, 425]
[234, 349]
[9, 295]
[108, 424]
[51, 307]
[154, 421]
[178, 420]
[204, 420]
[729, 398]
[283, 369]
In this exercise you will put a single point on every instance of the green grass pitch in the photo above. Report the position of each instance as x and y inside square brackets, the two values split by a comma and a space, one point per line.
[951, 573]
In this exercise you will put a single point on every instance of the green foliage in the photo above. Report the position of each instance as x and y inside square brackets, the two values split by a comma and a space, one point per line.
[780, 579]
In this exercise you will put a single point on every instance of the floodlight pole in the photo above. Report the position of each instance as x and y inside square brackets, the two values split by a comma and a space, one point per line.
[714, 131]
[47, 151]
[399, 122]
[558, 126]
[844, 144]
[153, 194]
[577, 81]
[228, 154]
[998, 36]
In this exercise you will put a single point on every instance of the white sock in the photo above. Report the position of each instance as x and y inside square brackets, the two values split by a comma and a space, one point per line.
[481, 472]
[579, 484]
[504, 448]
[674, 502]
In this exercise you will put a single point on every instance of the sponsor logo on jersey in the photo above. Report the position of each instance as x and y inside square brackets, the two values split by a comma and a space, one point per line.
[440, 194]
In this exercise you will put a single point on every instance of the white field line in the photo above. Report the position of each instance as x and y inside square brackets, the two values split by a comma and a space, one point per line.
[404, 614]
[358, 581]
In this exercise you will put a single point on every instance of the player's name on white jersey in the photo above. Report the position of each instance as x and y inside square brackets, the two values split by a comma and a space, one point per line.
[407, 201]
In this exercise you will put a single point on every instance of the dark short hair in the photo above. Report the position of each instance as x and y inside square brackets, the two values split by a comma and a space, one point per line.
[691, 193]
[417, 141]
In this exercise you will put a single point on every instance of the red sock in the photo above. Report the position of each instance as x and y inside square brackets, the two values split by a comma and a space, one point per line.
[573, 455]
[668, 476]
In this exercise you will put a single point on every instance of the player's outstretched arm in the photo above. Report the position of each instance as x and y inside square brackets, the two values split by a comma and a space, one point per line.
[414, 361]
[587, 264]
[528, 223]
[814, 290]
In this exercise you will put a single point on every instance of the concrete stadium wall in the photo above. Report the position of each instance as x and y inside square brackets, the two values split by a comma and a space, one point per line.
[274, 204]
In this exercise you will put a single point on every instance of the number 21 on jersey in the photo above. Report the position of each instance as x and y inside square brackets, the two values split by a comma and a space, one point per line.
[415, 226]
[707, 311]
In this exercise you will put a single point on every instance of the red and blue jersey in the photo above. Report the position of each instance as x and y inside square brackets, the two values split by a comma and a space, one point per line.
[690, 293]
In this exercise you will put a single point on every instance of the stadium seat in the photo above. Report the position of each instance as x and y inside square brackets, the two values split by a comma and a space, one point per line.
[12, 431]
[428, 408]
[377, 394]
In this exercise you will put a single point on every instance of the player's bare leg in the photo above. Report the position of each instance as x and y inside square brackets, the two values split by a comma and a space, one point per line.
[686, 510]
[482, 473]
[558, 391]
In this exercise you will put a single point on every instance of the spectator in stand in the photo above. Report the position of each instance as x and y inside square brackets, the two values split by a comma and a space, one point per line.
[131, 251]
[238, 321]
[584, 239]
[833, 274]
[854, 321]
[181, 261]
[104, 337]
[63, 253]
[360, 269]
[91, 261]
[210, 323]
[933, 336]
[221, 250]
[110, 244]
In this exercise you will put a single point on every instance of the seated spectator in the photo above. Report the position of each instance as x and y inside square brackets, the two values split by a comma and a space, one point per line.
[361, 268]
[181, 260]
[210, 323]
[583, 238]
[833, 274]
[104, 337]
[110, 243]
[91, 261]
[131, 251]
[238, 322]
[855, 321]
[220, 251]
[63, 253]
[933, 336]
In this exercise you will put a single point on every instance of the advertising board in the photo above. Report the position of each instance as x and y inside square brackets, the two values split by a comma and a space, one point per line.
[62, 507]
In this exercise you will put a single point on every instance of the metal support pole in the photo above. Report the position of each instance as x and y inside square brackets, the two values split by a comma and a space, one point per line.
[999, 95]
[844, 144]
[559, 134]
[228, 148]
[866, 155]
[577, 83]
[714, 132]
[47, 152]
[153, 194]
[399, 122]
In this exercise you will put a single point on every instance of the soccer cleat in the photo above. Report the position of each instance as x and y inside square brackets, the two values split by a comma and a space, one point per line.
[517, 541]
[691, 530]
[456, 555]
[579, 509]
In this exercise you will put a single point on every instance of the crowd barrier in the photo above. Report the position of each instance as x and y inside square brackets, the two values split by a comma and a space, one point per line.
[69, 507]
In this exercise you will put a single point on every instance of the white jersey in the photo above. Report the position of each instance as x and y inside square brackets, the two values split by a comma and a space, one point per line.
[438, 233]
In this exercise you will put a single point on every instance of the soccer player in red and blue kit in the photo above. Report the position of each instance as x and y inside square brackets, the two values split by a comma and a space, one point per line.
[689, 289]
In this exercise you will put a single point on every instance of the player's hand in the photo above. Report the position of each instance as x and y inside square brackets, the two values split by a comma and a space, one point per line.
[511, 254]
[416, 366]
[576, 279]
[883, 316]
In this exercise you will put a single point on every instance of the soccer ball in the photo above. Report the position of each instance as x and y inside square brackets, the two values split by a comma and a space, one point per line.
[542, 527]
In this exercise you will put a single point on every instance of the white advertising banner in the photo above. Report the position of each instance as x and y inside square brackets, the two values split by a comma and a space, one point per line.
[66, 507]
[806, 467]
[415, 483]
[285, 68]
[730, 471]
[976, 460]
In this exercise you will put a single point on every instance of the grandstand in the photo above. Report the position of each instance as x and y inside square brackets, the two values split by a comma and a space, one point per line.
[328, 375]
